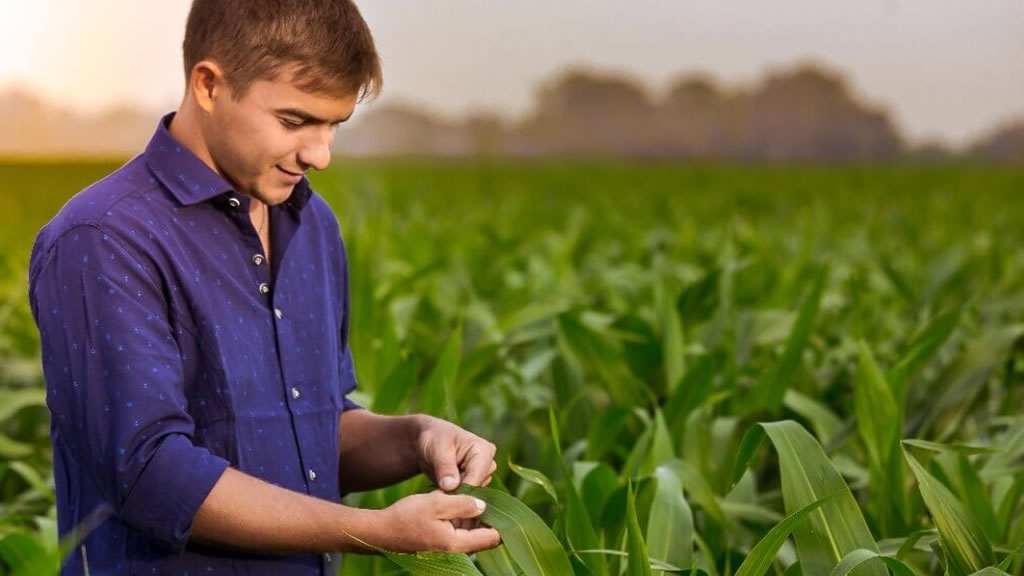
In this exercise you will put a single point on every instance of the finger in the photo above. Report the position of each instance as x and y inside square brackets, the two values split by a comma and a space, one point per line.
[465, 523]
[479, 463]
[461, 506]
[487, 481]
[446, 471]
[469, 541]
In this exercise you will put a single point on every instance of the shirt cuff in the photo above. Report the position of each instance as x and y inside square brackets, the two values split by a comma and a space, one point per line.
[168, 493]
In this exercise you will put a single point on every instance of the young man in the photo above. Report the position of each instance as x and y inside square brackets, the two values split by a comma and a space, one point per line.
[193, 312]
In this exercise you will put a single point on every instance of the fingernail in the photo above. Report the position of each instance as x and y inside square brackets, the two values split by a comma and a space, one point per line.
[449, 483]
[480, 504]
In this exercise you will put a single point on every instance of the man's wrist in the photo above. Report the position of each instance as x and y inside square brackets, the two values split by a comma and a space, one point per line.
[362, 531]
[415, 425]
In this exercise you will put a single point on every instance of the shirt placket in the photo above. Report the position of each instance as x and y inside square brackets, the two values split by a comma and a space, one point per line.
[239, 210]
[296, 397]
[275, 302]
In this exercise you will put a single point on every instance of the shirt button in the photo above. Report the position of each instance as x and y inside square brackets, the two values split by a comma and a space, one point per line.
[312, 474]
[278, 313]
[234, 202]
[264, 289]
[257, 259]
[296, 393]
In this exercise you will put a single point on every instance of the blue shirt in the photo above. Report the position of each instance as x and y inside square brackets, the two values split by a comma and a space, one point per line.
[172, 350]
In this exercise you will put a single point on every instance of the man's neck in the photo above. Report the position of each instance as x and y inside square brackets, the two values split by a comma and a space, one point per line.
[186, 130]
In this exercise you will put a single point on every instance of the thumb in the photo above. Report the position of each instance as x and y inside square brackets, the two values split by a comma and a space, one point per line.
[458, 507]
[446, 471]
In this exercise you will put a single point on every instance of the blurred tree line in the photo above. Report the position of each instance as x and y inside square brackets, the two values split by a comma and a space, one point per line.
[804, 113]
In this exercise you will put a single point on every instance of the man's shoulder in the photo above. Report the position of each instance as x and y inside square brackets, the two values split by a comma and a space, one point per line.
[323, 214]
[319, 207]
[100, 202]
[324, 211]
[103, 205]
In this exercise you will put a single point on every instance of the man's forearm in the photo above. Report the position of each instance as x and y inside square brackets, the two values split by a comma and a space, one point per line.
[376, 450]
[246, 513]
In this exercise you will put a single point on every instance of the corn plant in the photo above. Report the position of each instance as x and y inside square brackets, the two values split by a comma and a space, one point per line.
[713, 370]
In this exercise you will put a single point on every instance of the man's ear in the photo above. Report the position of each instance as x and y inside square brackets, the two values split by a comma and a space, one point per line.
[207, 84]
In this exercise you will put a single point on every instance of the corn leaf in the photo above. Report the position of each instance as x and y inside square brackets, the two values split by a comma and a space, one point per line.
[21, 551]
[670, 524]
[638, 563]
[748, 512]
[597, 486]
[393, 393]
[823, 420]
[807, 474]
[763, 554]
[661, 449]
[428, 563]
[535, 477]
[10, 448]
[673, 344]
[858, 557]
[14, 400]
[656, 566]
[699, 490]
[975, 496]
[585, 347]
[1009, 503]
[771, 389]
[963, 541]
[923, 348]
[875, 408]
[497, 562]
[437, 396]
[579, 526]
[529, 541]
[689, 394]
[966, 449]
[434, 563]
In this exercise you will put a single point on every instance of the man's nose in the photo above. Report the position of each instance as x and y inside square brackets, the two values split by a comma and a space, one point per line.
[316, 151]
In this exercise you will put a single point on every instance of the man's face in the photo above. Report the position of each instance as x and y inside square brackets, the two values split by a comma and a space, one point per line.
[264, 142]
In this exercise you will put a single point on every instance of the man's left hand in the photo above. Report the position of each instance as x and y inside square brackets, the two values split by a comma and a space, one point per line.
[450, 456]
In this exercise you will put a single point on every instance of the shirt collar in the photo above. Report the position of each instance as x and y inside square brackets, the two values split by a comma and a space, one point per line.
[190, 180]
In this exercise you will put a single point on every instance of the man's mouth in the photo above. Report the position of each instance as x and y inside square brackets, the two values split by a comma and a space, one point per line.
[290, 177]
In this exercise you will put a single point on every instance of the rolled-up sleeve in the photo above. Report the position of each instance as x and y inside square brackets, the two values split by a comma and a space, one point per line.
[348, 381]
[115, 383]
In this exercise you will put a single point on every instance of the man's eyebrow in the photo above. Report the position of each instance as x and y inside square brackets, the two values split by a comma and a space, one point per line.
[309, 118]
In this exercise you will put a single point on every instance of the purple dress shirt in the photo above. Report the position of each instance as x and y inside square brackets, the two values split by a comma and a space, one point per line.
[172, 350]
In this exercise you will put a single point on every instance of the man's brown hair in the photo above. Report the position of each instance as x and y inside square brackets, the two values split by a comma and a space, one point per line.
[326, 44]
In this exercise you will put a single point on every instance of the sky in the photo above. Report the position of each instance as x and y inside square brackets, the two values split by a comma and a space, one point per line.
[947, 69]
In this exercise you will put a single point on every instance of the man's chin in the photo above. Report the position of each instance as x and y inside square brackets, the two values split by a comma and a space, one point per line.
[274, 195]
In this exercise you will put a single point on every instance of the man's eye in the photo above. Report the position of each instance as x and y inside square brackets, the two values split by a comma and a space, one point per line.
[291, 125]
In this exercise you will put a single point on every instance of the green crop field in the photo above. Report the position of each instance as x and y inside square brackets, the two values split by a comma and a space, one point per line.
[732, 370]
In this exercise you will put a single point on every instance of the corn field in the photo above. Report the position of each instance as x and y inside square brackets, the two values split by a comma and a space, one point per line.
[730, 371]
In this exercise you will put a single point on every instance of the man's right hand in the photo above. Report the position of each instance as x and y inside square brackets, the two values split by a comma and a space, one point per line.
[247, 513]
[423, 523]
